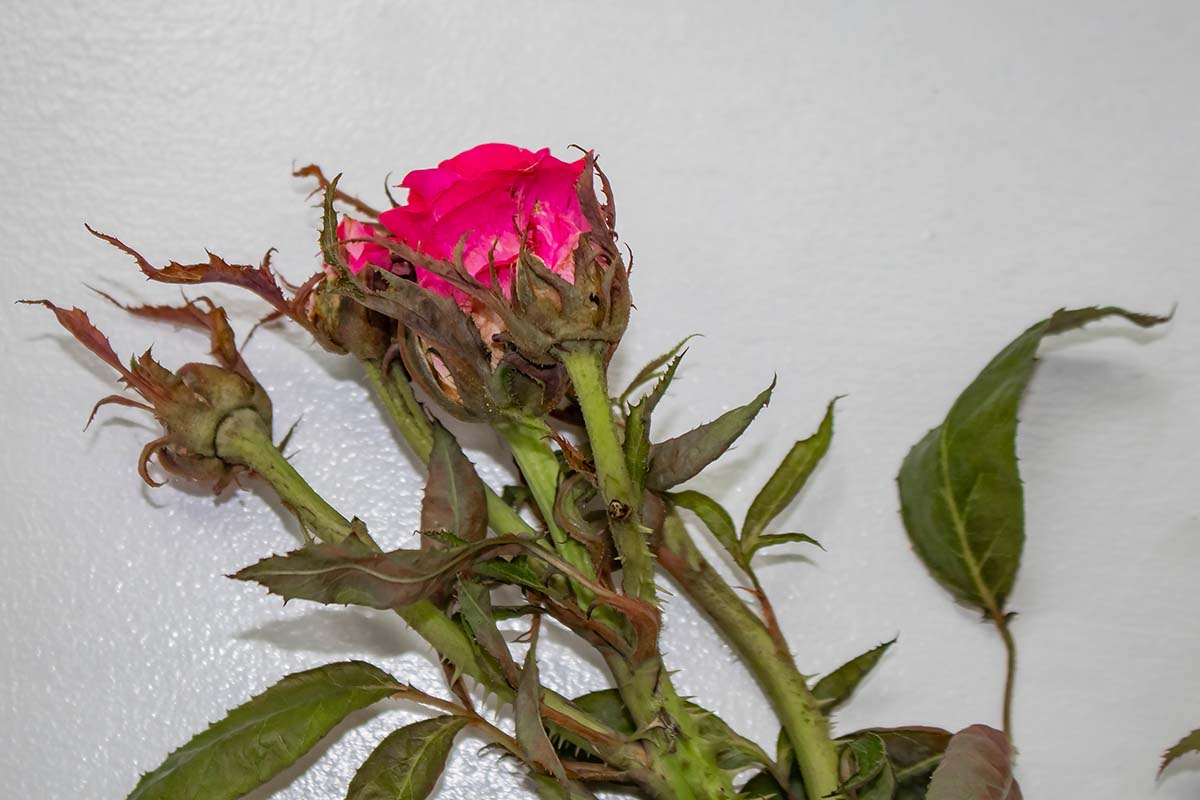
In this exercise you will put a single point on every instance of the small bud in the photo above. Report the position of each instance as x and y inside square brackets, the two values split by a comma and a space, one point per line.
[190, 403]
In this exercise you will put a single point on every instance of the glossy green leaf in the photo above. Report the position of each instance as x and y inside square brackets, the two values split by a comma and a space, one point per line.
[774, 539]
[407, 763]
[714, 516]
[455, 497]
[977, 766]
[787, 481]
[676, 460]
[1188, 744]
[350, 574]
[260, 738]
[836, 687]
[960, 490]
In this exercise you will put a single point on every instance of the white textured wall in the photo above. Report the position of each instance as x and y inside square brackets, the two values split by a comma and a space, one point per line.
[869, 198]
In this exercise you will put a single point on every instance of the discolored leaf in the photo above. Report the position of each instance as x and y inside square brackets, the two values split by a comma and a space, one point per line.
[1188, 744]
[960, 489]
[977, 766]
[787, 481]
[715, 518]
[836, 687]
[350, 574]
[258, 739]
[455, 497]
[407, 763]
[531, 732]
[676, 460]
[914, 752]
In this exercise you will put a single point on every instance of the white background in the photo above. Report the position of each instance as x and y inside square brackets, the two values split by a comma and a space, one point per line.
[867, 198]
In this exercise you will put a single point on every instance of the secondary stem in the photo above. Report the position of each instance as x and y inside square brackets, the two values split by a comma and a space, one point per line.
[1010, 673]
[764, 654]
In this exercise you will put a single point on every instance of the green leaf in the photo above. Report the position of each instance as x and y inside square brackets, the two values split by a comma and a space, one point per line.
[606, 706]
[637, 425]
[960, 490]
[455, 498]
[676, 460]
[836, 687]
[977, 766]
[787, 481]
[260, 738]
[864, 759]
[407, 764]
[773, 539]
[531, 732]
[914, 751]
[348, 573]
[475, 604]
[762, 786]
[1188, 744]
[514, 571]
[651, 370]
[714, 516]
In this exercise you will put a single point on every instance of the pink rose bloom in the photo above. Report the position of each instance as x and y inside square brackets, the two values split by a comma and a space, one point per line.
[360, 254]
[493, 193]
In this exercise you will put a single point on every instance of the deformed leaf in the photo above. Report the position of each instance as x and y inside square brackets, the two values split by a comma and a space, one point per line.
[960, 489]
[863, 761]
[715, 518]
[260, 738]
[787, 481]
[836, 687]
[679, 459]
[455, 497]
[350, 574]
[1188, 744]
[408, 762]
[977, 766]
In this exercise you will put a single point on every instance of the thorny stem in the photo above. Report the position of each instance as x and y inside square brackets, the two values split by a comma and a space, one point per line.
[689, 766]
[766, 656]
[243, 438]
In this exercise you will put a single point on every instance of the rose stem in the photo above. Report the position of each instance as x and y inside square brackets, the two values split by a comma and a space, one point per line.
[691, 768]
[768, 658]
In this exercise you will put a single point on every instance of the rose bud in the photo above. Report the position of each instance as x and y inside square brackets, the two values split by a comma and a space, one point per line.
[194, 404]
[513, 254]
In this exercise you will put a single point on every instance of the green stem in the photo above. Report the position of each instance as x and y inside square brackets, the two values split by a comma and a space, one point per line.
[243, 438]
[528, 439]
[1010, 673]
[687, 763]
[768, 659]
